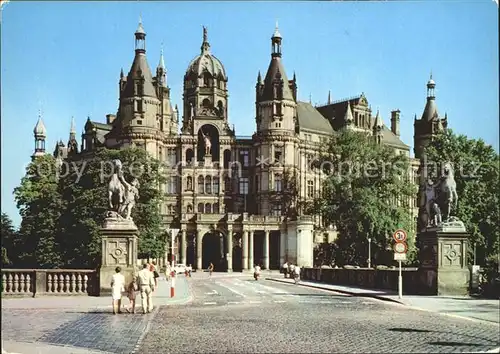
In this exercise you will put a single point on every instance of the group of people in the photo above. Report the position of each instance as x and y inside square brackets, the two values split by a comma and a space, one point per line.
[145, 282]
[291, 270]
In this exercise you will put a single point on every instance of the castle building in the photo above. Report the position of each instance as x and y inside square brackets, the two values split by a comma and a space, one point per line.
[230, 195]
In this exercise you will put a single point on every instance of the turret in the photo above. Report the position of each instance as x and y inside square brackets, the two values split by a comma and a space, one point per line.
[378, 126]
[40, 134]
[395, 122]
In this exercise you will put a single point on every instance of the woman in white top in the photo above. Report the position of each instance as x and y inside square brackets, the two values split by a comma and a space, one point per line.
[117, 288]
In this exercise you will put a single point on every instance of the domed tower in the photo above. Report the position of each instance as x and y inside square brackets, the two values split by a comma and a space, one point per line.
[205, 100]
[40, 134]
[276, 118]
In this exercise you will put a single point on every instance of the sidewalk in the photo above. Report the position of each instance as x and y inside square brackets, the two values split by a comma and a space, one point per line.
[463, 307]
[11, 347]
[161, 297]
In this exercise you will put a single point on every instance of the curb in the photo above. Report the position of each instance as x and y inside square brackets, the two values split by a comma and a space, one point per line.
[378, 297]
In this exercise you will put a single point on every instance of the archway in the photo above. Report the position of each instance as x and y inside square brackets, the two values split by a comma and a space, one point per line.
[191, 250]
[212, 132]
[213, 251]
[237, 253]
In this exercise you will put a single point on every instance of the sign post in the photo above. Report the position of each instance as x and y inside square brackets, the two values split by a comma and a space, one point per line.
[400, 250]
[173, 233]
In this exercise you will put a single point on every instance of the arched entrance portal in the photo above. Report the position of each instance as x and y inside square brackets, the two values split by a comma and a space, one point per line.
[213, 251]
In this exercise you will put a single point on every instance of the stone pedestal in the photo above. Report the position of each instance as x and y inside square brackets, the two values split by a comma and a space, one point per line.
[208, 160]
[119, 249]
[443, 260]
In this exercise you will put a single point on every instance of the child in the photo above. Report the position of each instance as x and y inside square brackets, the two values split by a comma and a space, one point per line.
[131, 292]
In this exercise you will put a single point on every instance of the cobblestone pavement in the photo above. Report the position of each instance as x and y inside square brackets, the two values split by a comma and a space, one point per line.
[81, 327]
[240, 315]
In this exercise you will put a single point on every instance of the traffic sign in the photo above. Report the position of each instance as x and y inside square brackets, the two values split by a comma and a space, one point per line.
[400, 247]
[400, 235]
[400, 257]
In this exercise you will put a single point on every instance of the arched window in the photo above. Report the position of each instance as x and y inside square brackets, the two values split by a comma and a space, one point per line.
[201, 181]
[189, 183]
[216, 185]
[208, 208]
[216, 208]
[206, 80]
[189, 155]
[200, 208]
[206, 103]
[189, 208]
[208, 185]
[227, 184]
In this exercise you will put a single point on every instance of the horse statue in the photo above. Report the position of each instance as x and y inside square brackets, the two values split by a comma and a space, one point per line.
[116, 190]
[446, 190]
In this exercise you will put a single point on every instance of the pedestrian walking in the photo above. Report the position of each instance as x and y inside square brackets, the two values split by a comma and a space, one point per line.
[210, 268]
[155, 273]
[146, 286]
[117, 288]
[131, 293]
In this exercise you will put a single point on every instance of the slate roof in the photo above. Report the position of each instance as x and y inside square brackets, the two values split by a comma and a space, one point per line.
[276, 66]
[310, 119]
[389, 138]
[140, 64]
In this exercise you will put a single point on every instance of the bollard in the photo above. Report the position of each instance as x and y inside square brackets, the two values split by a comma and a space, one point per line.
[172, 285]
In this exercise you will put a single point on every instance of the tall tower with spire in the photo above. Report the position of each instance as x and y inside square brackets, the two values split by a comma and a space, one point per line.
[72, 142]
[276, 118]
[40, 134]
[430, 124]
[377, 128]
[145, 108]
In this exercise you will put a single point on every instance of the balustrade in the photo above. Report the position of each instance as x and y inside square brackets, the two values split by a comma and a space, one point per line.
[29, 282]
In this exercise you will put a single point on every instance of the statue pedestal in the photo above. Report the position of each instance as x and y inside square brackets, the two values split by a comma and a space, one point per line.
[443, 259]
[119, 249]
[208, 160]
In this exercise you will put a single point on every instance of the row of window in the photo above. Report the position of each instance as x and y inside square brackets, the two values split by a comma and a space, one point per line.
[211, 185]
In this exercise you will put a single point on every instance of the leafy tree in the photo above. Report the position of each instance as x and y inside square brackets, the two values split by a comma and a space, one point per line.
[40, 205]
[9, 240]
[366, 194]
[476, 170]
[87, 197]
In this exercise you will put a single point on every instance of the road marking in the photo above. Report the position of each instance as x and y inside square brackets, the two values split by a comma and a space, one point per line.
[279, 301]
[255, 302]
[234, 302]
[273, 290]
[210, 303]
[214, 292]
[231, 289]
[260, 292]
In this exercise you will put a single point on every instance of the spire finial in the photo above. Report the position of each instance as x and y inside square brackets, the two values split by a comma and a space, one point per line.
[330, 97]
[162, 62]
[431, 75]
[72, 130]
[205, 46]
[140, 18]
[310, 98]
[277, 25]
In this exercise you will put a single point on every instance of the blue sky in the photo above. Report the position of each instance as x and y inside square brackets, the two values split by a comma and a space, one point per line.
[65, 58]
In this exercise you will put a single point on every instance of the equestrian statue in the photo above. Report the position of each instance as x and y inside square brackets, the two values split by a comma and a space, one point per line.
[121, 194]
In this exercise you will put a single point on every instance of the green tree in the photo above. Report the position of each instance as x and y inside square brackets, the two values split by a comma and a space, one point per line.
[366, 194]
[87, 197]
[9, 240]
[40, 205]
[476, 170]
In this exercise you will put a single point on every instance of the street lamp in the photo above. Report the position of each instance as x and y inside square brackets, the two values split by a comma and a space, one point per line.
[369, 252]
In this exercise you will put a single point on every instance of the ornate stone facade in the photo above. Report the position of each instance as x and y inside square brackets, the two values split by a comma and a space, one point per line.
[229, 203]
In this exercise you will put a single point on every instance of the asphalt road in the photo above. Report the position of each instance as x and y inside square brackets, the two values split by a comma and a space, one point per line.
[240, 315]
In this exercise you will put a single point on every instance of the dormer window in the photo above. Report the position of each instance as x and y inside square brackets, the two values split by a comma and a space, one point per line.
[279, 92]
[140, 88]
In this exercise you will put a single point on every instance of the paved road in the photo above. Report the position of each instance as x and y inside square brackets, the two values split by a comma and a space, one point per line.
[240, 315]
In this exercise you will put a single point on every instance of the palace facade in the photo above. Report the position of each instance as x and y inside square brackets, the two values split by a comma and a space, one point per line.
[226, 193]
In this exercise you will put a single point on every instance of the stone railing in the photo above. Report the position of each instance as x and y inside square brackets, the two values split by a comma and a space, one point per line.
[386, 279]
[36, 282]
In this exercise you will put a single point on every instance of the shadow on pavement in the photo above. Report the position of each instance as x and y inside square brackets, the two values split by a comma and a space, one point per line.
[456, 344]
[409, 330]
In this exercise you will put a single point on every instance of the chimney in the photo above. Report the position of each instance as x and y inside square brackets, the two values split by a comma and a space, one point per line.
[395, 122]
[110, 118]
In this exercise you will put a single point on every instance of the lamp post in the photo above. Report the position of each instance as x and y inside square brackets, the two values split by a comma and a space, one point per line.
[369, 252]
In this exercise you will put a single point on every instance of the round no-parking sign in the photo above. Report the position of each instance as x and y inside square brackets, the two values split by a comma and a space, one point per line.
[400, 235]
[400, 247]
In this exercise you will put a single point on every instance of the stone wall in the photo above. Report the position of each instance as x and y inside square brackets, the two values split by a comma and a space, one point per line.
[386, 279]
[39, 282]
